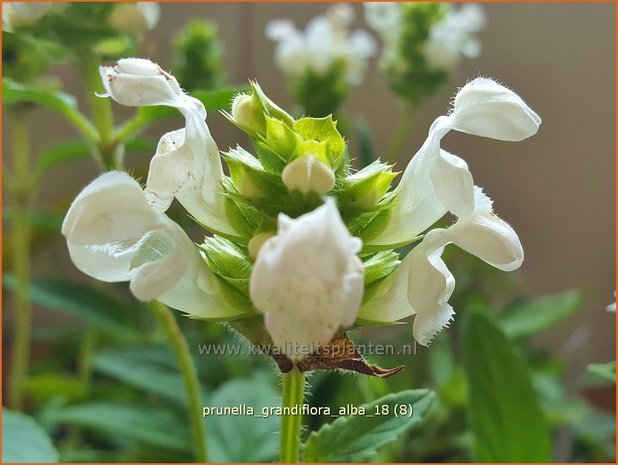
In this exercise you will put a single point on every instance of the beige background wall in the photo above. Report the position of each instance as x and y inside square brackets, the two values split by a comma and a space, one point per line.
[557, 189]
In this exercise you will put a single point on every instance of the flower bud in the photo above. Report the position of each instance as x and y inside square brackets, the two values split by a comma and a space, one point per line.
[244, 114]
[308, 174]
[257, 241]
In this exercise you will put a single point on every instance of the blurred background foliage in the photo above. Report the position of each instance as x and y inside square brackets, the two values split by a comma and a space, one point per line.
[95, 380]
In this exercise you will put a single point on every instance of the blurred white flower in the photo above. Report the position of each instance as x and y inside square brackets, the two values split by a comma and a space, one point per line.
[19, 14]
[114, 235]
[450, 37]
[434, 183]
[187, 165]
[325, 43]
[135, 18]
[454, 36]
[307, 280]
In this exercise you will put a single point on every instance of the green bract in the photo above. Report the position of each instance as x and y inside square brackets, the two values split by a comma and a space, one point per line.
[258, 189]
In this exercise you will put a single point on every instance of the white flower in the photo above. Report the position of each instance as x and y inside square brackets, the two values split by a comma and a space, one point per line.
[326, 42]
[187, 165]
[19, 14]
[436, 182]
[307, 280]
[386, 19]
[114, 235]
[135, 18]
[453, 36]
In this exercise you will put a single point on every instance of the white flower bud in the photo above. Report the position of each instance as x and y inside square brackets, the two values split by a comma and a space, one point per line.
[243, 113]
[257, 241]
[308, 174]
[21, 14]
[308, 281]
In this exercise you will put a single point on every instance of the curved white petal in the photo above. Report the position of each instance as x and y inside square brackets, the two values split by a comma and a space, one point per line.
[430, 287]
[114, 235]
[307, 280]
[485, 108]
[452, 183]
[489, 238]
[187, 163]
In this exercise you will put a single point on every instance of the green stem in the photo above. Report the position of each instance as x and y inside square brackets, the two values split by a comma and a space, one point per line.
[293, 393]
[109, 154]
[131, 127]
[187, 368]
[21, 259]
[400, 134]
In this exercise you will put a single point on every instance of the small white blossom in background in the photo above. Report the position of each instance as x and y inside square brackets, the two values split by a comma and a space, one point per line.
[423, 42]
[326, 42]
[135, 18]
[20, 14]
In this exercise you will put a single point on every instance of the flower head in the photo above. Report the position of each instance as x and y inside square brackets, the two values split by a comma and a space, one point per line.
[326, 56]
[423, 42]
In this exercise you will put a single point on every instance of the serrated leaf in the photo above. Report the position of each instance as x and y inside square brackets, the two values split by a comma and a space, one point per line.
[537, 315]
[358, 438]
[503, 410]
[24, 440]
[147, 424]
[82, 301]
[380, 265]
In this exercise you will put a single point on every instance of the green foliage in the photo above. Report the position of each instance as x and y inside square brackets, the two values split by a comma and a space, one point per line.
[358, 438]
[604, 370]
[148, 424]
[151, 369]
[24, 441]
[95, 307]
[409, 74]
[198, 56]
[320, 94]
[244, 438]
[533, 316]
[504, 412]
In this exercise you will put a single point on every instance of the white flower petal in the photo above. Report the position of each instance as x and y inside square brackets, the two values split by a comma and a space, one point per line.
[453, 184]
[489, 238]
[430, 287]
[114, 235]
[485, 108]
[307, 280]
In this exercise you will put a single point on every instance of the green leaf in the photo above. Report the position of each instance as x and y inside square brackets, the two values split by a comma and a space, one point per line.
[604, 370]
[65, 104]
[44, 220]
[24, 441]
[147, 424]
[503, 411]
[14, 92]
[61, 153]
[358, 438]
[244, 438]
[150, 368]
[82, 301]
[45, 386]
[537, 315]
